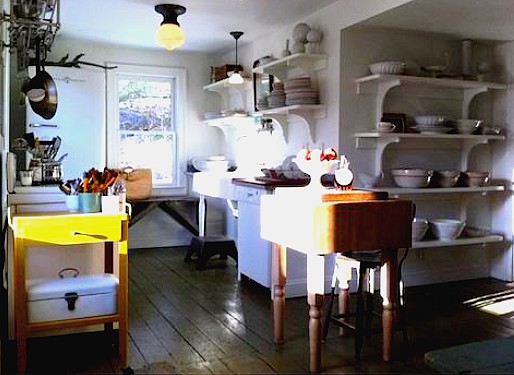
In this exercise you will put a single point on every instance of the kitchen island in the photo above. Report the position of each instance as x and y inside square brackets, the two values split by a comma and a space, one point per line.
[320, 225]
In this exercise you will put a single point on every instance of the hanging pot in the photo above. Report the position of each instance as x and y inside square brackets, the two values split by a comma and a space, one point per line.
[41, 90]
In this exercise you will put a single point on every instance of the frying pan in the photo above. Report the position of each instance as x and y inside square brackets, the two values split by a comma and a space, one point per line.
[46, 105]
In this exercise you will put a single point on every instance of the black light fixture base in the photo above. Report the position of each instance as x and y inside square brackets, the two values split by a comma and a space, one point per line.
[236, 34]
[170, 12]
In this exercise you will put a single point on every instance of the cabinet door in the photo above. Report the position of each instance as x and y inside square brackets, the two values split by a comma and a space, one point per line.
[254, 252]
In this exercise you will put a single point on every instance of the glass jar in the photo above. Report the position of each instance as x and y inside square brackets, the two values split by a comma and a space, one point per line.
[37, 172]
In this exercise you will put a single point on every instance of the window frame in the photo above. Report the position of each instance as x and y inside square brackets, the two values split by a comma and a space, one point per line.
[179, 188]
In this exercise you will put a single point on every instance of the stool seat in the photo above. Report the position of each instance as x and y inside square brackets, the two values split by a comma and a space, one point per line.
[205, 247]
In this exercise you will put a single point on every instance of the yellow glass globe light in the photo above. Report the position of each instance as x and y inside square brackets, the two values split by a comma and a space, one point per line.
[170, 36]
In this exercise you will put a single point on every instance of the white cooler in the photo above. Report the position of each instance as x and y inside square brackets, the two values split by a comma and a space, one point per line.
[71, 297]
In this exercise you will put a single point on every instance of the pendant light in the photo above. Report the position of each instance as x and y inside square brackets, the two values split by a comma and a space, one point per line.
[169, 34]
[236, 78]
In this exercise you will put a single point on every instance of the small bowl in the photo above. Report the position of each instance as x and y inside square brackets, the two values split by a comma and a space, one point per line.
[430, 120]
[467, 126]
[419, 228]
[447, 229]
[445, 179]
[411, 177]
[476, 178]
[387, 67]
[369, 180]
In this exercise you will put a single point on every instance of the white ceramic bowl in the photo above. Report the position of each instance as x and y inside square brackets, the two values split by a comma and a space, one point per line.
[467, 126]
[430, 120]
[387, 67]
[447, 229]
[446, 178]
[369, 180]
[476, 178]
[411, 177]
[210, 165]
[419, 228]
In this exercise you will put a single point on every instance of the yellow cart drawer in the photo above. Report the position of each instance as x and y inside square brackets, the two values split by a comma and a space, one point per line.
[68, 229]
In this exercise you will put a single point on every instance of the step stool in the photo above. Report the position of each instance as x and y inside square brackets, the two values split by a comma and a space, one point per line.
[205, 247]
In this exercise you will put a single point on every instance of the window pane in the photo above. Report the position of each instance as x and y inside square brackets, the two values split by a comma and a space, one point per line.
[146, 125]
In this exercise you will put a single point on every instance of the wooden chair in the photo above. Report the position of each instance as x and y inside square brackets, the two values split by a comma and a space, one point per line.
[366, 263]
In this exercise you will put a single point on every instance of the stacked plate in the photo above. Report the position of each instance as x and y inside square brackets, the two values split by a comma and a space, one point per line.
[300, 91]
[277, 97]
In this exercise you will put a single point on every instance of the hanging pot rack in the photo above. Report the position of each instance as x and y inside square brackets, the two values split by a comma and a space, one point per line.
[29, 21]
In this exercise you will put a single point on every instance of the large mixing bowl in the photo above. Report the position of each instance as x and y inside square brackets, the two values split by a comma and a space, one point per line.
[411, 177]
[447, 229]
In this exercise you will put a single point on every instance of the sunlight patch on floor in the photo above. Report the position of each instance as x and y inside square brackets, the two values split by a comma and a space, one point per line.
[501, 303]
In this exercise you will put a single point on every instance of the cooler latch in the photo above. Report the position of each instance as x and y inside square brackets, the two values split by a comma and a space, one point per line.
[71, 298]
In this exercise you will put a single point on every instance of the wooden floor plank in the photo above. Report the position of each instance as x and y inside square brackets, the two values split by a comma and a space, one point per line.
[185, 321]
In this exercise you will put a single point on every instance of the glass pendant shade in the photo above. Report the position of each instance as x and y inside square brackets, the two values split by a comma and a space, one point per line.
[170, 36]
[235, 78]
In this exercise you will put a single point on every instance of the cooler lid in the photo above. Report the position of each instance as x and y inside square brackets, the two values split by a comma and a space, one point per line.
[38, 289]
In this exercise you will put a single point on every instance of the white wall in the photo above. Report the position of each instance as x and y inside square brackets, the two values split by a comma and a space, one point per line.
[158, 229]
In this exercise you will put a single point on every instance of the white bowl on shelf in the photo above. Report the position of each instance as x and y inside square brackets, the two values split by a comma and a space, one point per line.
[447, 229]
[447, 178]
[475, 179]
[411, 177]
[419, 228]
[467, 126]
[430, 120]
[387, 67]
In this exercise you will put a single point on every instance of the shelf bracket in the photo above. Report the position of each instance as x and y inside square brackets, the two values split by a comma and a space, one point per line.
[469, 94]
[382, 90]
[467, 146]
[281, 119]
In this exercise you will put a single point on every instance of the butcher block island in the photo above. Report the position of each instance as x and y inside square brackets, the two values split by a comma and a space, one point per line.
[322, 224]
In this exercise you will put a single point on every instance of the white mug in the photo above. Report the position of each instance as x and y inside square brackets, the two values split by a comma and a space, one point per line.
[386, 127]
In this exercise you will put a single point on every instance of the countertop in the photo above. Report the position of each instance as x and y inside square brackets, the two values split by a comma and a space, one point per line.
[269, 183]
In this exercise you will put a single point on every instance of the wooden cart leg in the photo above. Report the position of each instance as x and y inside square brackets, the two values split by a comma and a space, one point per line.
[279, 277]
[315, 292]
[389, 293]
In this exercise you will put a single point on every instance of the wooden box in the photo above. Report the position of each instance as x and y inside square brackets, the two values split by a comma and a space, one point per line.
[221, 72]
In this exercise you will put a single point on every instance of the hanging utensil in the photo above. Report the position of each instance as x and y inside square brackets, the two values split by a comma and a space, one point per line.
[56, 146]
[41, 89]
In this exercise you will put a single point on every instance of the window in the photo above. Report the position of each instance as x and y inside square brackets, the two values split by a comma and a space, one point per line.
[145, 110]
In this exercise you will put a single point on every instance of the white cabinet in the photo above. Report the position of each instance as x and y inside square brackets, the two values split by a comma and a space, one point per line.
[306, 64]
[379, 86]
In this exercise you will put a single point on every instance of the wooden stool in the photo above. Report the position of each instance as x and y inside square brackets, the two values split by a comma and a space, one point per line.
[205, 247]
[366, 262]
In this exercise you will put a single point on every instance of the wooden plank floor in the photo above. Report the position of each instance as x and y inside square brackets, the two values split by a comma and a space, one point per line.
[186, 321]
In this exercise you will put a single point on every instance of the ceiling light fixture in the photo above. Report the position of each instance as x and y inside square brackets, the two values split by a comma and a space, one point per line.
[236, 77]
[169, 34]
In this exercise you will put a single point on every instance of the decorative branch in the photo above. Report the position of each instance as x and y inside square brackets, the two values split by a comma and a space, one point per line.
[75, 63]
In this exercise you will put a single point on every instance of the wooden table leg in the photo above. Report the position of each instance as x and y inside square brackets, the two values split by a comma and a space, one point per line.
[389, 293]
[279, 278]
[20, 304]
[315, 292]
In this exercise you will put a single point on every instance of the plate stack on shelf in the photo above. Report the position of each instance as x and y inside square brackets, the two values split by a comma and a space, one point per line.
[277, 97]
[300, 91]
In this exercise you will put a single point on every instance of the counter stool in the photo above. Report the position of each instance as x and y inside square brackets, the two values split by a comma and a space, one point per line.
[205, 247]
[366, 262]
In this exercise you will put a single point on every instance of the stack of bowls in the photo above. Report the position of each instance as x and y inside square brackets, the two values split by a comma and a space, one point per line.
[419, 228]
[447, 229]
[411, 177]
